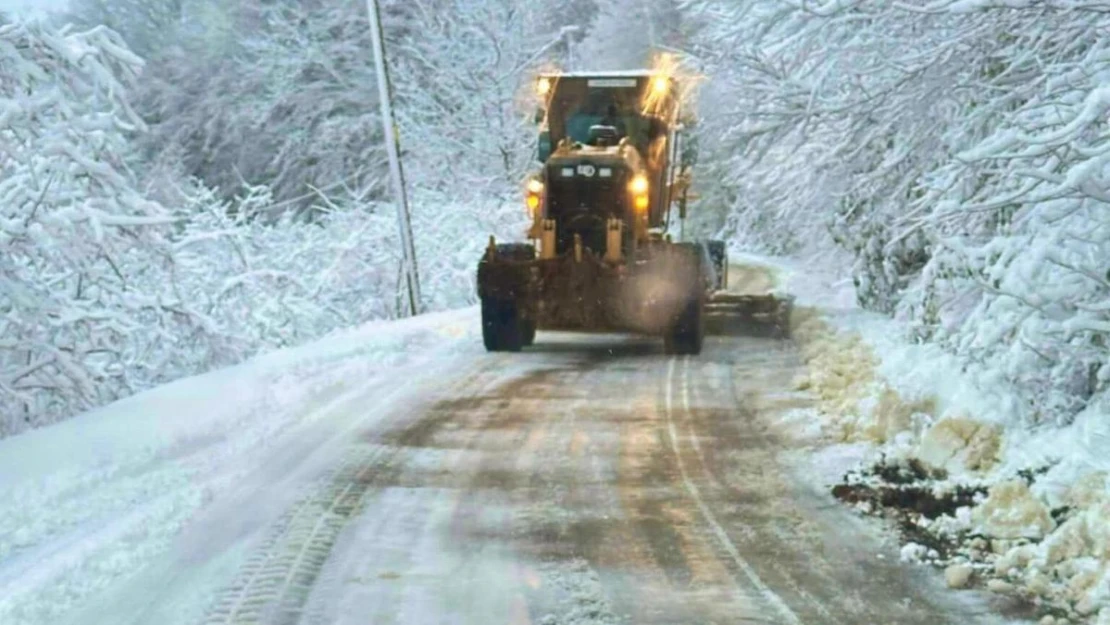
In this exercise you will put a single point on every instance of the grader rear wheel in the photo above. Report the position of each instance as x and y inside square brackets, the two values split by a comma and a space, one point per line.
[502, 286]
[502, 328]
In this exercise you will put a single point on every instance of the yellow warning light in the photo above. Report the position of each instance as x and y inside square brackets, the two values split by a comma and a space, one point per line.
[639, 185]
[543, 86]
[641, 202]
[534, 197]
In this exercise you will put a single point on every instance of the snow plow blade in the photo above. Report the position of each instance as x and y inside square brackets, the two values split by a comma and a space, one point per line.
[765, 315]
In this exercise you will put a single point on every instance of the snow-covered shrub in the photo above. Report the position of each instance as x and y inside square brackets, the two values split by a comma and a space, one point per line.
[289, 100]
[269, 283]
[280, 283]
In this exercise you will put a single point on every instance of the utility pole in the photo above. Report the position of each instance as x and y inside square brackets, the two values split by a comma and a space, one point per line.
[650, 19]
[392, 147]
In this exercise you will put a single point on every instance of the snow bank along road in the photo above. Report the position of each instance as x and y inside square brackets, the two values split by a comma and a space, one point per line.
[399, 474]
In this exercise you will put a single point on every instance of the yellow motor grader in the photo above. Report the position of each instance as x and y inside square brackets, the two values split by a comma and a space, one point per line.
[615, 161]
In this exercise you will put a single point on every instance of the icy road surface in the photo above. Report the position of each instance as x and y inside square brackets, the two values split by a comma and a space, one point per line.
[401, 475]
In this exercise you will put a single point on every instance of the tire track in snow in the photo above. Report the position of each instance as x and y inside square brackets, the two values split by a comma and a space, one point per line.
[775, 601]
[275, 582]
[274, 585]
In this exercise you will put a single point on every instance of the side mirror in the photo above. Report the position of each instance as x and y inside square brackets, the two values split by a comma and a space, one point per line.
[539, 116]
[543, 147]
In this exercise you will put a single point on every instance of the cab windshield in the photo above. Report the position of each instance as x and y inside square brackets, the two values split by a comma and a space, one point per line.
[580, 103]
[600, 110]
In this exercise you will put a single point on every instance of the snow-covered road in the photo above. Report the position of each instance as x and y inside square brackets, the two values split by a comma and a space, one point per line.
[605, 484]
[399, 474]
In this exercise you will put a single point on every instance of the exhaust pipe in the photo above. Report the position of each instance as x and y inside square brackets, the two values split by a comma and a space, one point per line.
[491, 249]
[547, 239]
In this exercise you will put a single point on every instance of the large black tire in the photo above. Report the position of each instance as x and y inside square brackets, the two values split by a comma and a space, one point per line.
[502, 327]
[687, 335]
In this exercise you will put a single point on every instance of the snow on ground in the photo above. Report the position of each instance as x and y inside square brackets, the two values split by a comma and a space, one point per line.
[92, 500]
[1036, 522]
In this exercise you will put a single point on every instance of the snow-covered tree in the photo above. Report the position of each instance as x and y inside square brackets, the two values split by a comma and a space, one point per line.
[1019, 220]
[70, 217]
[290, 103]
[461, 79]
[143, 24]
[940, 144]
[628, 34]
[293, 103]
[105, 291]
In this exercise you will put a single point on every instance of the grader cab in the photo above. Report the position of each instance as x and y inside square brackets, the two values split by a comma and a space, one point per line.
[615, 164]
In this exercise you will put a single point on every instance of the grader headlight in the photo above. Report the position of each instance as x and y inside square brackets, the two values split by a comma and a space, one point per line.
[660, 85]
[639, 189]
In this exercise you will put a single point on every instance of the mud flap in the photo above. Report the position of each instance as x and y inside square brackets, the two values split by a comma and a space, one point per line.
[687, 335]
